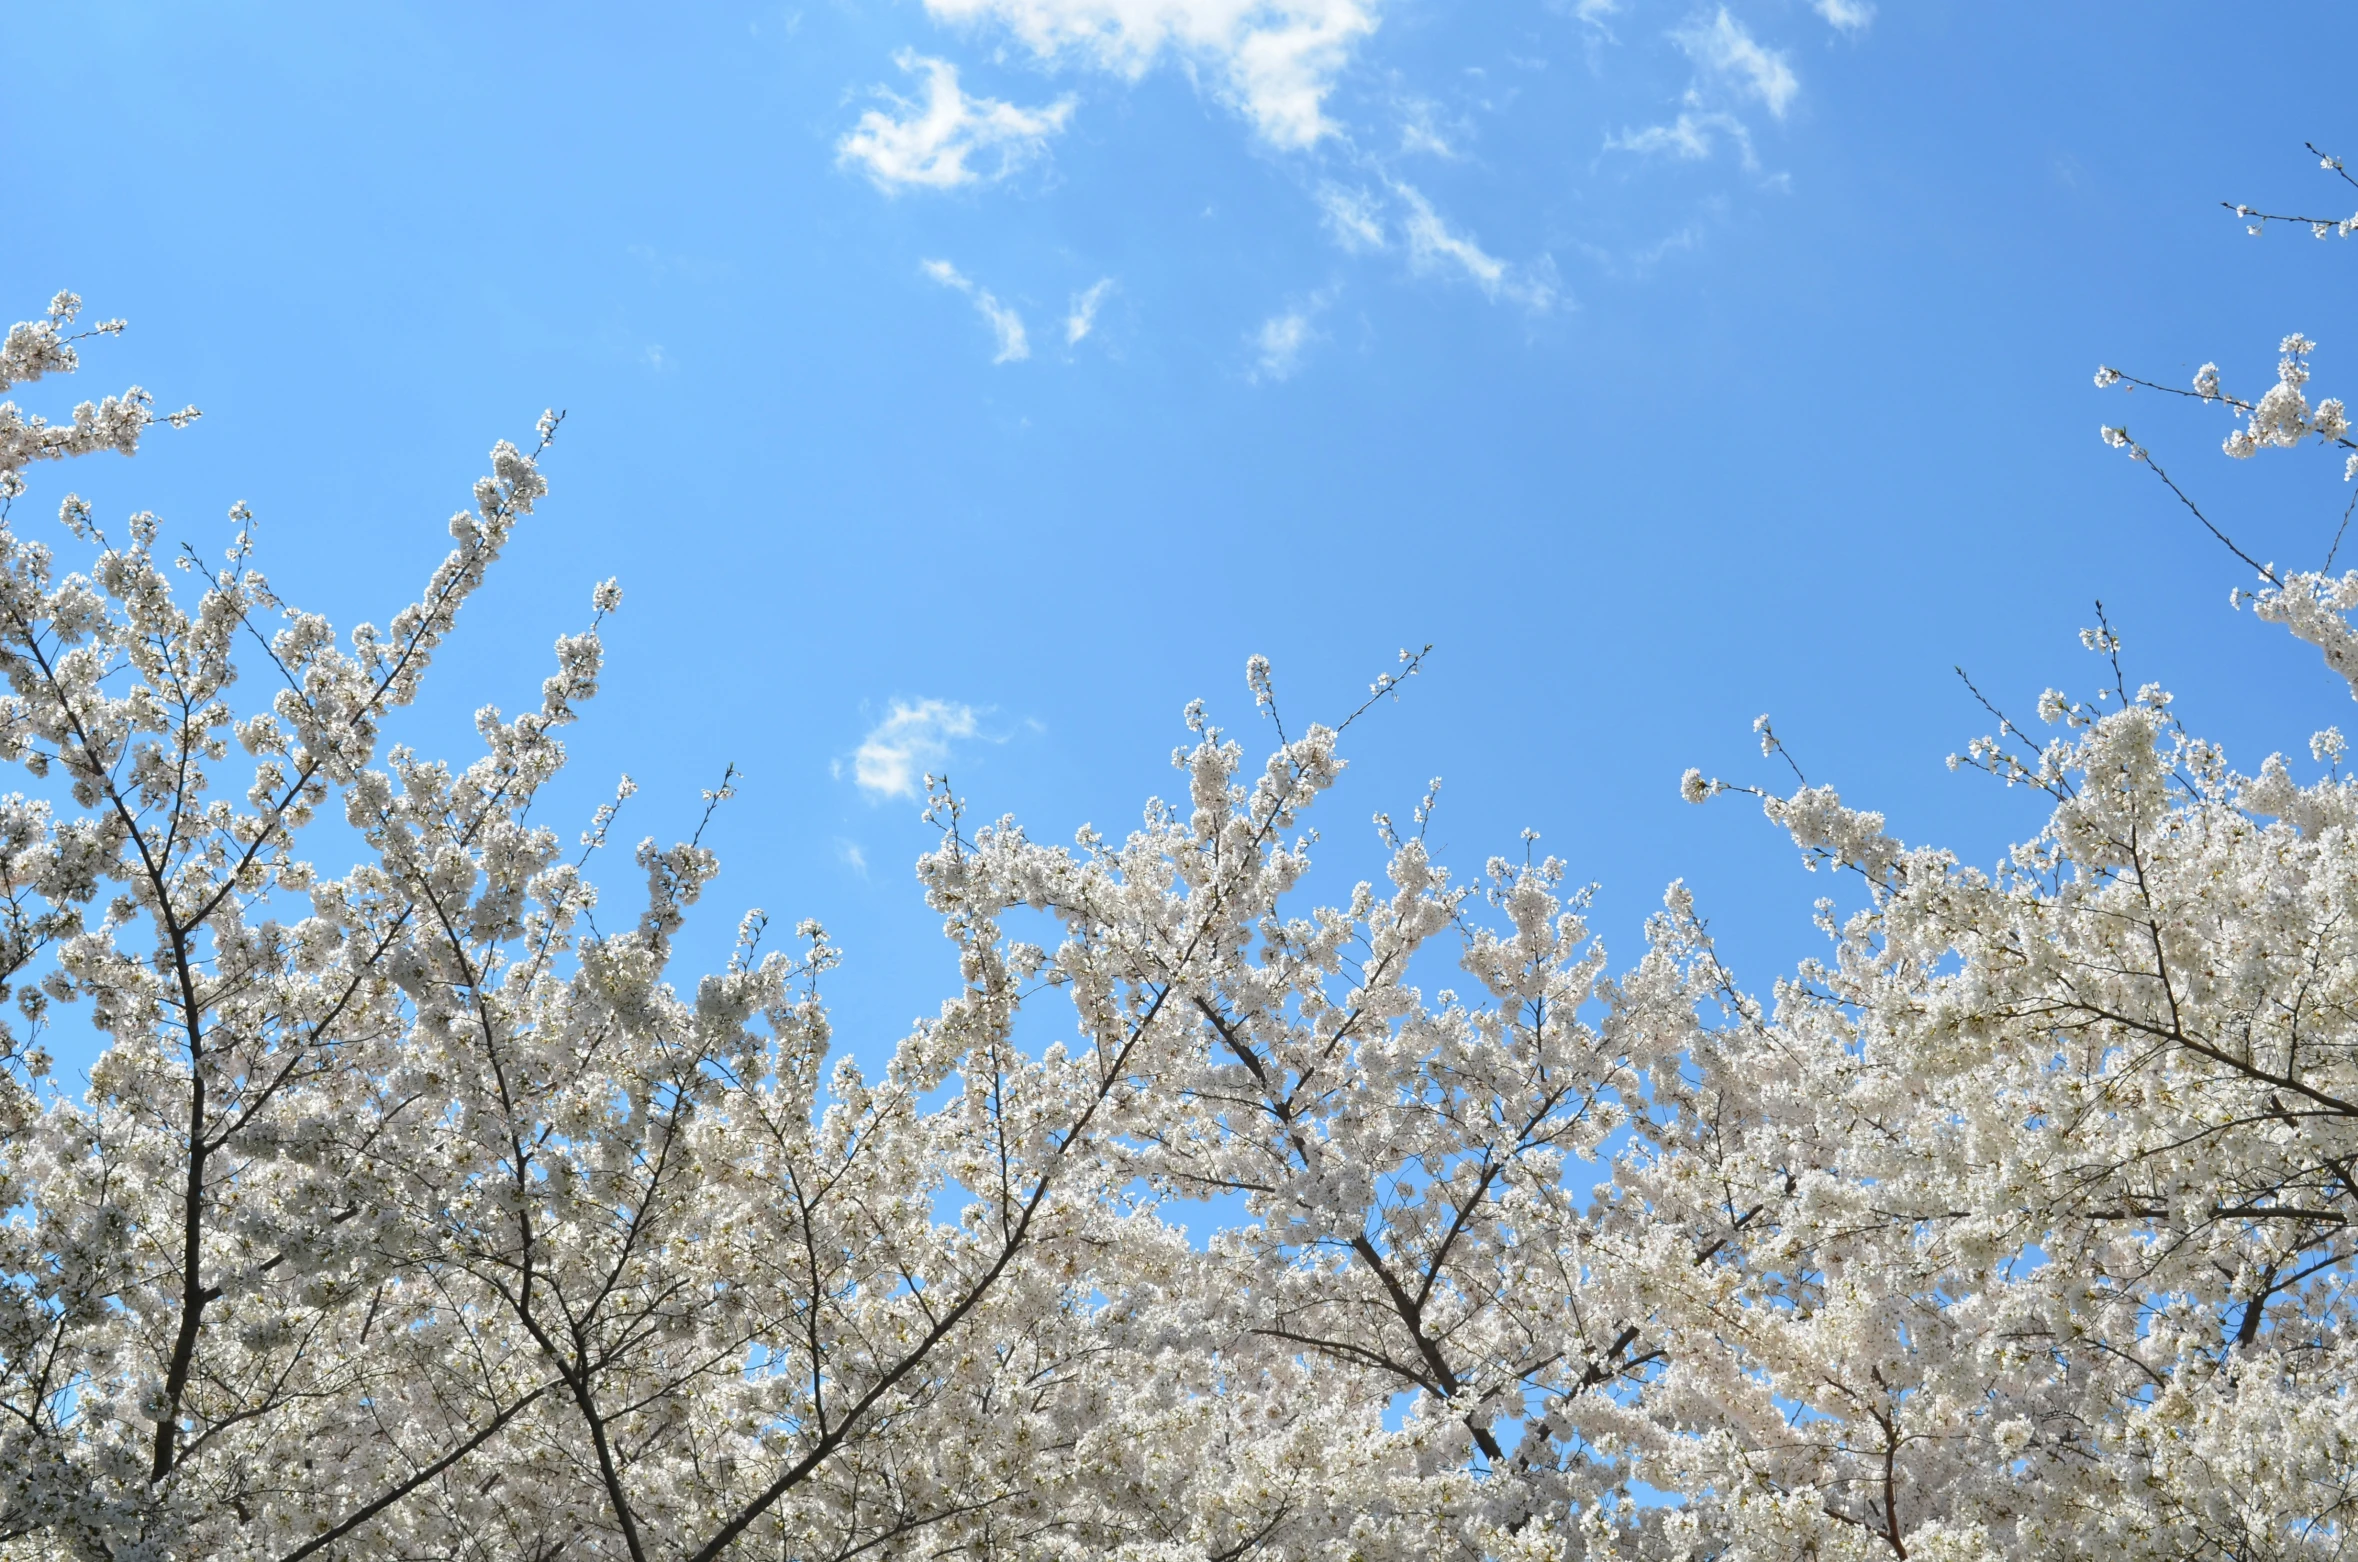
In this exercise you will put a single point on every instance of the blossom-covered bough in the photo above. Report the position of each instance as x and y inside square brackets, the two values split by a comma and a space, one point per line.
[410, 1211]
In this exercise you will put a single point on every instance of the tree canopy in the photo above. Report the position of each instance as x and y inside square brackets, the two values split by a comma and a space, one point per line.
[413, 1210]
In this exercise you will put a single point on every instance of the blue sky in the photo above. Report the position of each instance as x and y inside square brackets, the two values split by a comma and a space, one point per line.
[973, 382]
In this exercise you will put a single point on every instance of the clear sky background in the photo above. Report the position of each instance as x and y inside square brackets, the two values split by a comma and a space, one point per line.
[1022, 366]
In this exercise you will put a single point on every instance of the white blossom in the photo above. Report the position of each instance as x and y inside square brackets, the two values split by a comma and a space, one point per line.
[2283, 417]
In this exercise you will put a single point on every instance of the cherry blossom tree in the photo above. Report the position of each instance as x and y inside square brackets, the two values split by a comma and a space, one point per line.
[411, 1209]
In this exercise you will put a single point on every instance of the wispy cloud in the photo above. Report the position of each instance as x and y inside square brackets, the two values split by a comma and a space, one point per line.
[1352, 216]
[1641, 260]
[1420, 129]
[1725, 49]
[933, 144]
[1005, 323]
[849, 854]
[1276, 60]
[1434, 246]
[1278, 345]
[1081, 319]
[1281, 343]
[1691, 136]
[910, 743]
[1850, 16]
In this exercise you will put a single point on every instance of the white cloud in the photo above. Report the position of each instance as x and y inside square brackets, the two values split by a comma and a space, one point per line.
[850, 855]
[1724, 48]
[927, 145]
[1352, 216]
[1690, 136]
[1668, 244]
[1419, 131]
[1851, 16]
[1274, 59]
[1433, 245]
[1005, 323]
[911, 742]
[1430, 243]
[1082, 319]
[1278, 344]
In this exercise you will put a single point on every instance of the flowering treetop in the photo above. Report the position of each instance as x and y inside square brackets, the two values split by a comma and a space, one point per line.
[415, 1208]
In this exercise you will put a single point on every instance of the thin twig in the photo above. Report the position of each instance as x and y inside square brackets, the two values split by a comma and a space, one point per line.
[2263, 570]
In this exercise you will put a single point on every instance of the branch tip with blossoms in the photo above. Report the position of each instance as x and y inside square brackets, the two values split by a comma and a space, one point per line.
[35, 349]
[2256, 221]
[1410, 664]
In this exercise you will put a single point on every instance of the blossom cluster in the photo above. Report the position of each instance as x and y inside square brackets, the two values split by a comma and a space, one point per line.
[34, 348]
